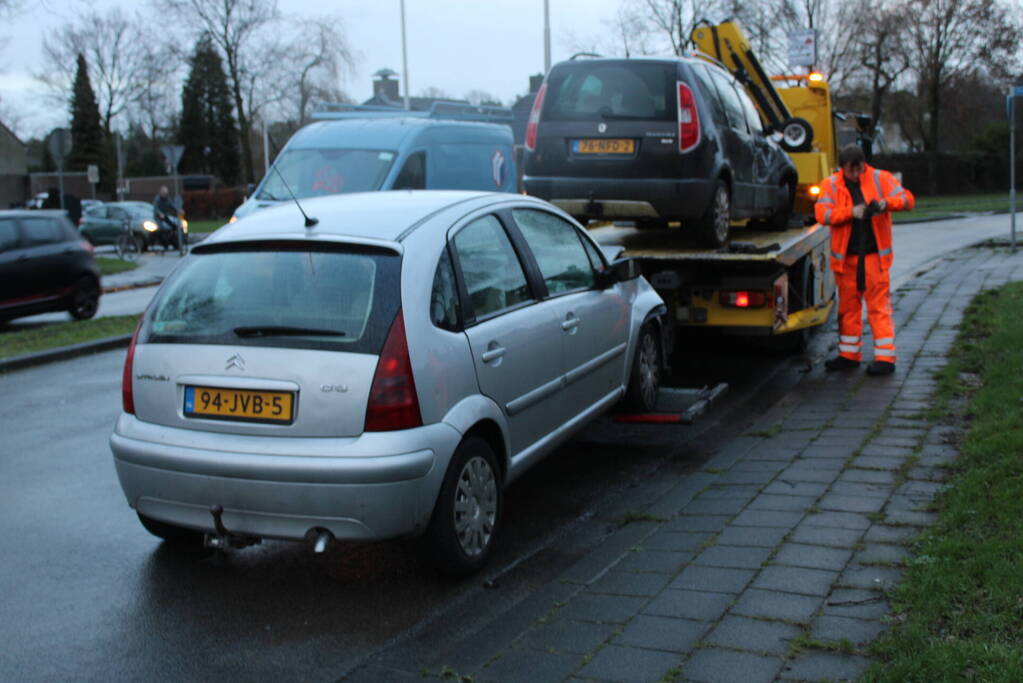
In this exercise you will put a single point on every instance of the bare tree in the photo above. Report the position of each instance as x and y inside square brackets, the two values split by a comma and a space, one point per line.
[949, 38]
[156, 97]
[435, 93]
[318, 58]
[478, 97]
[239, 28]
[881, 36]
[111, 45]
[625, 35]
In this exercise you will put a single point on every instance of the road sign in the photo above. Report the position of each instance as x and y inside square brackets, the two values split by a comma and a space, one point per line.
[803, 48]
[172, 154]
[58, 143]
[92, 171]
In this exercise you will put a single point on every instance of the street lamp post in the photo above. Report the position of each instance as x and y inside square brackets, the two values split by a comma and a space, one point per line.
[404, 57]
[546, 36]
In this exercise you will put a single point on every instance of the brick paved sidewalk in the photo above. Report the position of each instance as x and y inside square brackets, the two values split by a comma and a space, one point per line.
[794, 531]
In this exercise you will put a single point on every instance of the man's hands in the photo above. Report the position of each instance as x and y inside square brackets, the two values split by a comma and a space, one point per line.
[858, 211]
[882, 205]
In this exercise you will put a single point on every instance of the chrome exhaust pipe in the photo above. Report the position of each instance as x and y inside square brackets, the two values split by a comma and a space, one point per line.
[322, 540]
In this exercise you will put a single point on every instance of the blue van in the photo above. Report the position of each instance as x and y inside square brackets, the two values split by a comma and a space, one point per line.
[364, 149]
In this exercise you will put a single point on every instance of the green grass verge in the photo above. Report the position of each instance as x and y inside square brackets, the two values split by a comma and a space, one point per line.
[958, 615]
[205, 226]
[54, 336]
[948, 206]
[109, 266]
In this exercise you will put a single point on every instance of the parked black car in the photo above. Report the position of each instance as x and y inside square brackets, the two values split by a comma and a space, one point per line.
[45, 265]
[654, 141]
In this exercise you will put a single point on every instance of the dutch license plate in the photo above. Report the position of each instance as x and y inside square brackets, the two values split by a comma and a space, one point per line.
[239, 404]
[605, 146]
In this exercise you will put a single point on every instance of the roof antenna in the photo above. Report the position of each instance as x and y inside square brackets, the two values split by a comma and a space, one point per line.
[309, 220]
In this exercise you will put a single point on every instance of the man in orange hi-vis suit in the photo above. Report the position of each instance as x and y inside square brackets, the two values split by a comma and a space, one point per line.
[856, 203]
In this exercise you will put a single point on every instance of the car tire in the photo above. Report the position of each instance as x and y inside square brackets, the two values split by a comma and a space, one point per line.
[645, 374]
[797, 135]
[84, 299]
[779, 218]
[174, 535]
[716, 222]
[467, 515]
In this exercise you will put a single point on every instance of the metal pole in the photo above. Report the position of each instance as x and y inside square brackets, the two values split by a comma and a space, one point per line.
[119, 190]
[266, 149]
[60, 179]
[1012, 168]
[546, 36]
[404, 57]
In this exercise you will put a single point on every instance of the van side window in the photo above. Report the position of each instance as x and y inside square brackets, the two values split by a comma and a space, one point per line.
[413, 173]
[445, 310]
[729, 98]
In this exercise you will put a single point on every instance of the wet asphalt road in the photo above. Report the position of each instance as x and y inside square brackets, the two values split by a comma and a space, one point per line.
[89, 595]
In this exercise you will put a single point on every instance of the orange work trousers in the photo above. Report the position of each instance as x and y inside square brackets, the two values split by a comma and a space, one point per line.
[878, 298]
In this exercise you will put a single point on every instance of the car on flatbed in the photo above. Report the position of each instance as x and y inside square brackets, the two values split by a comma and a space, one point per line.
[655, 141]
[384, 372]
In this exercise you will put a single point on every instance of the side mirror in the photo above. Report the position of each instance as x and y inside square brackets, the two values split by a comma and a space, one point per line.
[621, 270]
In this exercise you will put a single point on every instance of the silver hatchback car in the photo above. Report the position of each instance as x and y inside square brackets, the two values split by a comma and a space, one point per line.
[383, 373]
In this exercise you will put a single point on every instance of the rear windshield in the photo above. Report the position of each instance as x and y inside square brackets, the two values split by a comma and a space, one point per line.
[283, 295]
[315, 172]
[616, 90]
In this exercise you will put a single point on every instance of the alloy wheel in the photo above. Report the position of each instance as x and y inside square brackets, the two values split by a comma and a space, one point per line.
[475, 510]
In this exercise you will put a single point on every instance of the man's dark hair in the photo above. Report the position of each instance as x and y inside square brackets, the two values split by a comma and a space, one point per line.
[851, 154]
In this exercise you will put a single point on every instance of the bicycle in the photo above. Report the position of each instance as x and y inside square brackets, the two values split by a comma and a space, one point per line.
[129, 247]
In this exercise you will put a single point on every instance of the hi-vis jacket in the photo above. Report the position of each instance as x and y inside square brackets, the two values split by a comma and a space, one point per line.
[834, 208]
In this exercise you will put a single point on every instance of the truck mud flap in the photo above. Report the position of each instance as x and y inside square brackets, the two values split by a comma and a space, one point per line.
[677, 406]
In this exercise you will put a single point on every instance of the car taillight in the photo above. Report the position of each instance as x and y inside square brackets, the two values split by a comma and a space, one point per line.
[127, 397]
[534, 118]
[743, 299]
[688, 119]
[393, 403]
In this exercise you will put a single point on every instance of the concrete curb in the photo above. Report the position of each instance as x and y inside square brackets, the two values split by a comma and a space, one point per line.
[63, 353]
[133, 285]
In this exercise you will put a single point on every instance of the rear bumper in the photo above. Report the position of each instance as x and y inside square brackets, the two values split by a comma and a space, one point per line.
[378, 486]
[667, 199]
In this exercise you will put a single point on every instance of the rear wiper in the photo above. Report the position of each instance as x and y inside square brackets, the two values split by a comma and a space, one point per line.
[284, 331]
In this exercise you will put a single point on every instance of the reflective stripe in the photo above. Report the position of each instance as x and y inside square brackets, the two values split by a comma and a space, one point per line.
[877, 181]
[849, 348]
[883, 353]
[838, 256]
[895, 191]
[884, 252]
[848, 340]
[826, 201]
[827, 216]
[884, 341]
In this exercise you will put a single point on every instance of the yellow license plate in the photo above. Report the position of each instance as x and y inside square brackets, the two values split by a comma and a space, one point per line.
[605, 146]
[239, 404]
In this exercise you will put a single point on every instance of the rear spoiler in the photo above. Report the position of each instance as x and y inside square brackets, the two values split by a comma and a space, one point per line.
[455, 111]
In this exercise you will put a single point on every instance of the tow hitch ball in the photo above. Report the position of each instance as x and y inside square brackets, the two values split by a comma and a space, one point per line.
[223, 538]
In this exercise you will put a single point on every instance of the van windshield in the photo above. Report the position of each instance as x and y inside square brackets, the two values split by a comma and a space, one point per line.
[611, 90]
[315, 172]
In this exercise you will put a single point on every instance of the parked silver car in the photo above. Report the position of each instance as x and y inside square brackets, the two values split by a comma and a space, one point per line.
[383, 373]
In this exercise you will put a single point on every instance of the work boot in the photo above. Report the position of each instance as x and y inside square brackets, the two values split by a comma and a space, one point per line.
[841, 363]
[880, 367]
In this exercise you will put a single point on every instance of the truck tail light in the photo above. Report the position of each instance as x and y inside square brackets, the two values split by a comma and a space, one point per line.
[743, 299]
[688, 119]
[534, 118]
[393, 402]
[127, 396]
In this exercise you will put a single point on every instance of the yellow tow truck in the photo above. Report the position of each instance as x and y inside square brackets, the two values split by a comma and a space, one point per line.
[763, 283]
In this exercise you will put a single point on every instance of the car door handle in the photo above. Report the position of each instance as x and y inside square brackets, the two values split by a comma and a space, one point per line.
[493, 352]
[571, 322]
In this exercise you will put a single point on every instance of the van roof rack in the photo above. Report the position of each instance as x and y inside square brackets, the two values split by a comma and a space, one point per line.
[455, 111]
[589, 55]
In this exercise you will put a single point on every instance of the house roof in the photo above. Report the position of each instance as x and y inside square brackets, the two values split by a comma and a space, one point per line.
[12, 134]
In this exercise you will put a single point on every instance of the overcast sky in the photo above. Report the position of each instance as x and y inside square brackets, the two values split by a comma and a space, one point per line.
[454, 45]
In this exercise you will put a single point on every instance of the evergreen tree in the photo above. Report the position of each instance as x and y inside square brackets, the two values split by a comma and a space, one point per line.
[88, 141]
[207, 129]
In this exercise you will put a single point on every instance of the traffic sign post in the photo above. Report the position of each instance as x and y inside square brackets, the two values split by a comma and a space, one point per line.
[58, 143]
[92, 172]
[172, 155]
[803, 48]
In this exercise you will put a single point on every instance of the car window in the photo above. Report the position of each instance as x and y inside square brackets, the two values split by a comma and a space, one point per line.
[596, 259]
[323, 297]
[413, 173]
[445, 309]
[710, 94]
[730, 100]
[98, 212]
[558, 251]
[8, 234]
[600, 90]
[750, 109]
[490, 267]
[316, 172]
[39, 230]
[116, 213]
